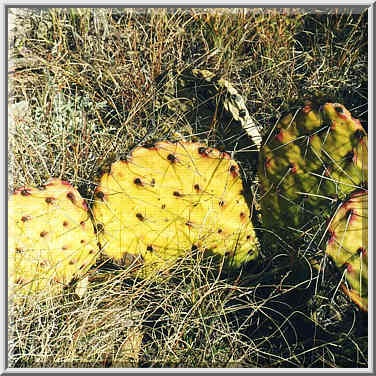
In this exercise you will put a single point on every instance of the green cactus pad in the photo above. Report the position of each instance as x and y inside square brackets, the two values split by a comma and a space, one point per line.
[51, 237]
[311, 159]
[348, 246]
[165, 200]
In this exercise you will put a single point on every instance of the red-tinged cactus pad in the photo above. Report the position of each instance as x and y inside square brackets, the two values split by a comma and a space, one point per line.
[164, 201]
[311, 159]
[348, 246]
[51, 237]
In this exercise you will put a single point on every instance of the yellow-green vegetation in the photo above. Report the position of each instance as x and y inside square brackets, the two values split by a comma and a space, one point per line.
[84, 92]
[167, 200]
[311, 159]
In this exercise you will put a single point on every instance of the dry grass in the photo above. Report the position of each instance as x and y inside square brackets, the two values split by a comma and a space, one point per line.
[85, 80]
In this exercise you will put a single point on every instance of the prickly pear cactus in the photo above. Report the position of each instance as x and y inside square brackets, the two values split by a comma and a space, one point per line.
[166, 200]
[311, 159]
[348, 246]
[51, 238]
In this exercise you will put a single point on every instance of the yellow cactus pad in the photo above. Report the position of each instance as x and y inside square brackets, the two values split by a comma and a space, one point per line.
[348, 246]
[165, 200]
[51, 237]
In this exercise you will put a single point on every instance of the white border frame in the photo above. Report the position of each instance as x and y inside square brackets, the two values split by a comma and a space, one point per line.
[239, 3]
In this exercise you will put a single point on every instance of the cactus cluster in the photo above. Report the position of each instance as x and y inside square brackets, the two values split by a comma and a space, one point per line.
[164, 201]
[312, 163]
[149, 210]
[51, 237]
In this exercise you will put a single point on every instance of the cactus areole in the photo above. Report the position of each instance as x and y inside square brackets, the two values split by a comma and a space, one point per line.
[166, 200]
